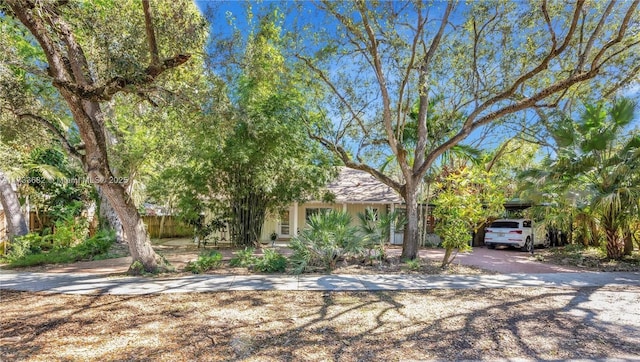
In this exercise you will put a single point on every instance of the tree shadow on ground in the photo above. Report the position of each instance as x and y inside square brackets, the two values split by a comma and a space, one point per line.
[537, 323]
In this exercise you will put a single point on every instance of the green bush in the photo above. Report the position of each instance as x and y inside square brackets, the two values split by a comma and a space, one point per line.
[98, 244]
[69, 232]
[328, 239]
[205, 262]
[271, 262]
[23, 246]
[243, 258]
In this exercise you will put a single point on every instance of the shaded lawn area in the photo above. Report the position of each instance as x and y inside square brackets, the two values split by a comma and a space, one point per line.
[540, 323]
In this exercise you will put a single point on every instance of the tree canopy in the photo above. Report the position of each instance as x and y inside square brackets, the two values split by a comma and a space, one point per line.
[490, 60]
[250, 153]
[87, 54]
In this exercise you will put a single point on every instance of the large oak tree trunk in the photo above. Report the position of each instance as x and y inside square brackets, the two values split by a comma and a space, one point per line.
[108, 214]
[89, 118]
[134, 228]
[410, 242]
[16, 222]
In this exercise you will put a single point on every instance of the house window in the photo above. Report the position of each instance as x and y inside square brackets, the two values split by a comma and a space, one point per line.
[284, 222]
[314, 211]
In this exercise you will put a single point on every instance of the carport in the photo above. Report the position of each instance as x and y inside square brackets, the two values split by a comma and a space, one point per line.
[512, 207]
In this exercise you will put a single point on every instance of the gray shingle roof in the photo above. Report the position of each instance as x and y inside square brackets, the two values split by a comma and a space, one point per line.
[355, 186]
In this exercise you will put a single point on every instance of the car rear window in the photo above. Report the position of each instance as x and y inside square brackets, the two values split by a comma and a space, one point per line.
[504, 224]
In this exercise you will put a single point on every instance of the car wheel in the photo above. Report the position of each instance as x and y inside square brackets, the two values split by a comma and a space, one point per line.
[547, 243]
[528, 245]
[491, 246]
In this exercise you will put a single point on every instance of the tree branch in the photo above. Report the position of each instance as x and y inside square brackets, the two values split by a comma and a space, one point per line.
[35, 25]
[348, 161]
[151, 35]
[554, 52]
[396, 148]
[71, 150]
[617, 39]
[419, 153]
[547, 19]
[75, 55]
[506, 110]
[354, 114]
[408, 70]
[107, 90]
[594, 35]
[632, 75]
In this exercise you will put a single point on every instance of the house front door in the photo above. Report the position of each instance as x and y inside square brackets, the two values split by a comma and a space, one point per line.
[283, 225]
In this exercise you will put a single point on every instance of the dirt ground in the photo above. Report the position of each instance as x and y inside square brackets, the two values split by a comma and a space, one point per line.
[536, 323]
[540, 323]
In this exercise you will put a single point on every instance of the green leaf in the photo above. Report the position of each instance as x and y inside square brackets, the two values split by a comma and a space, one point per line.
[564, 133]
[622, 112]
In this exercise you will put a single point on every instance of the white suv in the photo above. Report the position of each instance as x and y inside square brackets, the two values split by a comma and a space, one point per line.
[514, 232]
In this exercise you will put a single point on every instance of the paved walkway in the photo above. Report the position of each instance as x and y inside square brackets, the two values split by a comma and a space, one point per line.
[504, 261]
[78, 283]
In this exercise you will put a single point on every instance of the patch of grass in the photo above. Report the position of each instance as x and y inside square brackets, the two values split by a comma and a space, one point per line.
[413, 265]
[136, 268]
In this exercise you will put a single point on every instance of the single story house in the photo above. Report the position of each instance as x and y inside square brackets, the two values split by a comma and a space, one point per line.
[354, 191]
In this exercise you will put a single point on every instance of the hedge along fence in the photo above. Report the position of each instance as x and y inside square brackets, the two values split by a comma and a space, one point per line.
[166, 227]
[170, 227]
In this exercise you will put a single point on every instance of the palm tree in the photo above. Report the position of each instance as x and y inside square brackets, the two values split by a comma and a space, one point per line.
[597, 156]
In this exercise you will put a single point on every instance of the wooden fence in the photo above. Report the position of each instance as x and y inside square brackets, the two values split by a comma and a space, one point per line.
[169, 228]
[166, 227]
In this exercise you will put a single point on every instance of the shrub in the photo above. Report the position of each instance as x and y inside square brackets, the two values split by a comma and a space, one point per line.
[205, 262]
[271, 262]
[69, 232]
[86, 250]
[23, 246]
[377, 231]
[328, 239]
[98, 244]
[243, 259]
